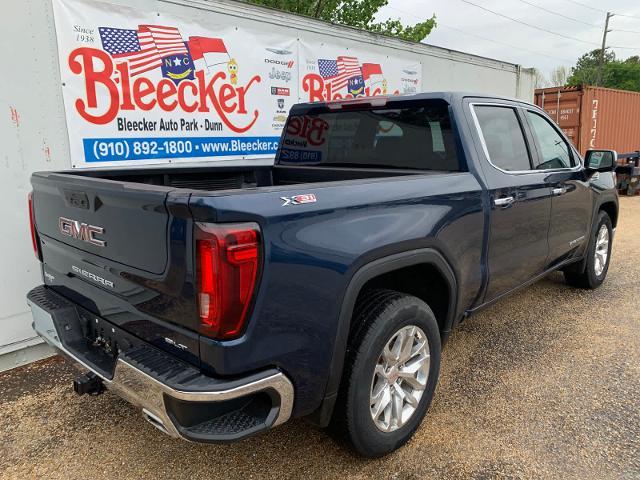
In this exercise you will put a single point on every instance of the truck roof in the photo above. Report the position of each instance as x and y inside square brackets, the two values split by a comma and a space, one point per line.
[449, 96]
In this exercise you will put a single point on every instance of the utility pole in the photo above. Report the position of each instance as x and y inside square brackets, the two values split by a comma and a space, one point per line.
[604, 47]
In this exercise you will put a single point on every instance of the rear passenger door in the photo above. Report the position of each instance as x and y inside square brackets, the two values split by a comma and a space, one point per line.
[520, 198]
[571, 201]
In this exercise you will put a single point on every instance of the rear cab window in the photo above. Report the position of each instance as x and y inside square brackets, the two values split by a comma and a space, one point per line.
[402, 135]
[503, 137]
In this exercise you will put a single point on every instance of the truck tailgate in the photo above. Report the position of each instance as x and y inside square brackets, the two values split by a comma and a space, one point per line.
[122, 251]
[128, 221]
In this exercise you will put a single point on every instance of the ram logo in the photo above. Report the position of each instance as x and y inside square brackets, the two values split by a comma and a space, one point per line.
[81, 231]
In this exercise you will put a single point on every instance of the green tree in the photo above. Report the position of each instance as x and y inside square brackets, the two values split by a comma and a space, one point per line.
[586, 70]
[622, 74]
[354, 13]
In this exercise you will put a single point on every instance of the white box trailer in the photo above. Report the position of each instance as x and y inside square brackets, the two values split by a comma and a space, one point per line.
[59, 113]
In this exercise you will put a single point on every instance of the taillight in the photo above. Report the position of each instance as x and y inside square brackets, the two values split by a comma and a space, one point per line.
[32, 225]
[228, 263]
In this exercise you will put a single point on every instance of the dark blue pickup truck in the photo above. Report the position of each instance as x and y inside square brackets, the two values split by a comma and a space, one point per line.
[224, 301]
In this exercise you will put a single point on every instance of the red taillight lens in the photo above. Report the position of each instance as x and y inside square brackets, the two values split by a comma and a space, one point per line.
[228, 261]
[32, 225]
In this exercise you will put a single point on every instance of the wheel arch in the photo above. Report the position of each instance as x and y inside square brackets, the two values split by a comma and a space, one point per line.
[365, 274]
[608, 205]
[611, 209]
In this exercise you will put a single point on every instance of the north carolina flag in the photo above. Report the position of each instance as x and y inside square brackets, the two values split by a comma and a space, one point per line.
[211, 50]
[371, 72]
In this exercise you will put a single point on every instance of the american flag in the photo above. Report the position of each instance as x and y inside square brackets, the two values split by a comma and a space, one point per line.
[143, 48]
[339, 71]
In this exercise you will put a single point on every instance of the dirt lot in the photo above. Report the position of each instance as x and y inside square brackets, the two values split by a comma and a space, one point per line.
[545, 384]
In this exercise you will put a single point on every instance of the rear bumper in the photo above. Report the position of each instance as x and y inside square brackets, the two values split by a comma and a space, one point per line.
[174, 396]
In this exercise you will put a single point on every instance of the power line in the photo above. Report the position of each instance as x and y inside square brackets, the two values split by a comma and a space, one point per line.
[587, 6]
[544, 29]
[623, 48]
[464, 32]
[529, 25]
[559, 14]
[580, 21]
[440, 24]
[522, 23]
[628, 16]
[625, 31]
[602, 11]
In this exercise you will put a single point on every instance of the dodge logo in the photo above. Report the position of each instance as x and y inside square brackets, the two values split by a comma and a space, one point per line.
[81, 231]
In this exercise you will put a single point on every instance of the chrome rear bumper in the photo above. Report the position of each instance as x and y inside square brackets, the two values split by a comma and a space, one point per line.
[165, 405]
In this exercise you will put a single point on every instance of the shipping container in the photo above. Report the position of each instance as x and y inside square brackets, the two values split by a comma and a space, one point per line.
[36, 134]
[594, 117]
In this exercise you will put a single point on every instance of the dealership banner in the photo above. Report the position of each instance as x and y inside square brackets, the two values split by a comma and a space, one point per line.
[330, 72]
[142, 87]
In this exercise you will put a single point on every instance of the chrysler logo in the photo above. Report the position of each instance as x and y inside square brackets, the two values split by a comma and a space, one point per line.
[81, 231]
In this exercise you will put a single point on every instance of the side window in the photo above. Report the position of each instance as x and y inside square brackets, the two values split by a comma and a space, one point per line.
[554, 151]
[436, 137]
[503, 137]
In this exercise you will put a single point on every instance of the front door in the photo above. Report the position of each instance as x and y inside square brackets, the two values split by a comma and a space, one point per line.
[571, 203]
[520, 199]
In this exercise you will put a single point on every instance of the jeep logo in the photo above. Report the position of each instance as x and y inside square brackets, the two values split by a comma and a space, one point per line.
[81, 231]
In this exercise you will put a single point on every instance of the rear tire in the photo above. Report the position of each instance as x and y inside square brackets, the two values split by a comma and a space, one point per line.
[598, 257]
[394, 354]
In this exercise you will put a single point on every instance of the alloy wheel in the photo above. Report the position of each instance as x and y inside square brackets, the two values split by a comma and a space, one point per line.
[400, 378]
[602, 250]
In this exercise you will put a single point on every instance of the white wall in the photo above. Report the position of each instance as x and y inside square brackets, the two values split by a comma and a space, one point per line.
[32, 137]
[33, 134]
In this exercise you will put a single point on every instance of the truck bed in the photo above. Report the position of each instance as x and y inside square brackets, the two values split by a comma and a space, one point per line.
[235, 178]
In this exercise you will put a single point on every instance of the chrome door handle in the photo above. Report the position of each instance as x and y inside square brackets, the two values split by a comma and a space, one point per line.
[559, 191]
[504, 201]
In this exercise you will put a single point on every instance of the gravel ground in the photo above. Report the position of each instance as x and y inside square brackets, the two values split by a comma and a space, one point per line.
[545, 384]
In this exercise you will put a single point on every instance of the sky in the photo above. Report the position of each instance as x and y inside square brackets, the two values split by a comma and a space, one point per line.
[462, 25]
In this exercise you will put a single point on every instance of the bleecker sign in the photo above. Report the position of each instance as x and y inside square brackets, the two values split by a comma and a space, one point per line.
[334, 72]
[146, 88]
[126, 92]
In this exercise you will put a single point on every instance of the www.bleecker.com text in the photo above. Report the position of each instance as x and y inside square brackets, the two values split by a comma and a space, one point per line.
[144, 125]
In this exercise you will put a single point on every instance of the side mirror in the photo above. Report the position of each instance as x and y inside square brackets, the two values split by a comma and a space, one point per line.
[601, 160]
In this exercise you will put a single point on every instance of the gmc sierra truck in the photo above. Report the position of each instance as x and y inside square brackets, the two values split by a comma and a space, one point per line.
[225, 301]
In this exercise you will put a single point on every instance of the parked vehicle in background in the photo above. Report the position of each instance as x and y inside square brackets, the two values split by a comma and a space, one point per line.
[594, 117]
[628, 173]
[223, 301]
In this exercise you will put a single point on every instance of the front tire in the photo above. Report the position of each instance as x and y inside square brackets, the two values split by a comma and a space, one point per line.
[391, 371]
[598, 257]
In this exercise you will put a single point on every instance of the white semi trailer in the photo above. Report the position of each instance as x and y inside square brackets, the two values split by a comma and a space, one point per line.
[221, 70]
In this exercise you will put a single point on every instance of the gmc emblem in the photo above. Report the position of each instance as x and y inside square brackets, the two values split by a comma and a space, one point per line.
[81, 231]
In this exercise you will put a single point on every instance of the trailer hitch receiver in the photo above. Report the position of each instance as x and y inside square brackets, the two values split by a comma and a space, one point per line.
[88, 383]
